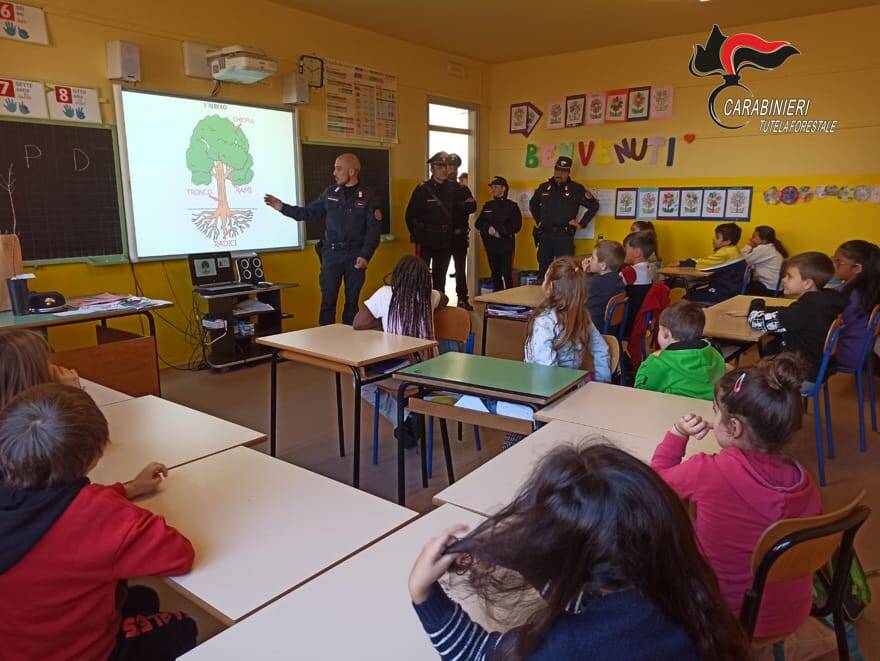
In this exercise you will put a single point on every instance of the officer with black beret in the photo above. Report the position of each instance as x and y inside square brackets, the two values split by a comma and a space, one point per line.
[353, 228]
[464, 206]
[554, 206]
[430, 218]
[498, 222]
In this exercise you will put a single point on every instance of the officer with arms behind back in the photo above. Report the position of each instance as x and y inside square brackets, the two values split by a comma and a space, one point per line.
[554, 206]
[351, 235]
[465, 205]
[429, 218]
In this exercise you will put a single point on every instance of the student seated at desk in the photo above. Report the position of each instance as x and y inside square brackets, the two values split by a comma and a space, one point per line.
[857, 266]
[636, 275]
[654, 261]
[765, 254]
[24, 362]
[67, 546]
[726, 264]
[611, 550]
[605, 281]
[750, 485]
[802, 326]
[404, 307]
[686, 364]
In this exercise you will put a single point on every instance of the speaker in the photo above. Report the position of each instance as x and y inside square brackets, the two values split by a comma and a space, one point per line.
[250, 269]
[123, 61]
[295, 89]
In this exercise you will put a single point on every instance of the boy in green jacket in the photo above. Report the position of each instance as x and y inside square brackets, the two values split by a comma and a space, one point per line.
[686, 364]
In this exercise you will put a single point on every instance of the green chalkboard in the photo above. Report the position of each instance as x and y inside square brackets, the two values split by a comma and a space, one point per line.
[60, 192]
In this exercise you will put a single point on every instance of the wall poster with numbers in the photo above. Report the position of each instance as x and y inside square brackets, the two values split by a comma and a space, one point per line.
[361, 102]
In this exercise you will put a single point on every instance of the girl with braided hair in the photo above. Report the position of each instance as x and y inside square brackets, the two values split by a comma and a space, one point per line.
[403, 306]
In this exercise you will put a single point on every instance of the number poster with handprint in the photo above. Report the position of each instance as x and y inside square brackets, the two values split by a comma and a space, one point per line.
[73, 104]
[23, 23]
[23, 98]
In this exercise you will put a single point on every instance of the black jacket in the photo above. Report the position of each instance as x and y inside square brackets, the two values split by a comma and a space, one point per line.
[554, 205]
[802, 326]
[463, 206]
[430, 214]
[352, 216]
[504, 215]
[602, 288]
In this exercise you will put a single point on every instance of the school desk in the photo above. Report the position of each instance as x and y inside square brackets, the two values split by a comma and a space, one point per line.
[261, 527]
[359, 609]
[641, 413]
[527, 296]
[120, 359]
[723, 326]
[102, 394]
[494, 484]
[686, 272]
[149, 429]
[342, 350]
[512, 381]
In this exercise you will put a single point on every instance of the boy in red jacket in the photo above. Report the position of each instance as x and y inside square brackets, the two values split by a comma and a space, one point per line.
[67, 546]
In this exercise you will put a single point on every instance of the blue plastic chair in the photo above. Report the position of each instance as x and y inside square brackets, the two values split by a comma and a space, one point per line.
[778, 284]
[821, 385]
[747, 279]
[865, 368]
[615, 315]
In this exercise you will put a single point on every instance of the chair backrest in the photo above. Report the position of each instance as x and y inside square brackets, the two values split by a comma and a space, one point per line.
[830, 347]
[452, 323]
[614, 350]
[676, 294]
[796, 548]
[615, 311]
[779, 281]
[873, 329]
[747, 279]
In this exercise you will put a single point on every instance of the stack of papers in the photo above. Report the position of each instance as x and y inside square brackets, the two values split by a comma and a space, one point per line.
[251, 306]
[509, 311]
[507, 409]
[109, 303]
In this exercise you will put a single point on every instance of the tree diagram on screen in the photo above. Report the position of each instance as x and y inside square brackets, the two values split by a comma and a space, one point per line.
[219, 151]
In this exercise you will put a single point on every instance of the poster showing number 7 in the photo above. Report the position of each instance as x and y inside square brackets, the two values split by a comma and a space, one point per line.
[73, 104]
[23, 23]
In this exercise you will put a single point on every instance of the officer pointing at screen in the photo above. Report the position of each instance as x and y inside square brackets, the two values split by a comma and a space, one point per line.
[351, 235]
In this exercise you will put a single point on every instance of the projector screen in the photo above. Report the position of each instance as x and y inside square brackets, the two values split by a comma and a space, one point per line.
[196, 171]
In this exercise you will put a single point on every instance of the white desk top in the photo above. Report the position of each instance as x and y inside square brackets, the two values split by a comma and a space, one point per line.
[494, 484]
[360, 609]
[261, 526]
[719, 324]
[641, 413]
[148, 429]
[529, 296]
[342, 344]
[102, 394]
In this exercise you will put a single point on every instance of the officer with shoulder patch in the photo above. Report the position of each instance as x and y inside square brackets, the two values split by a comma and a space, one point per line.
[351, 236]
[429, 218]
[465, 205]
[554, 206]
[498, 223]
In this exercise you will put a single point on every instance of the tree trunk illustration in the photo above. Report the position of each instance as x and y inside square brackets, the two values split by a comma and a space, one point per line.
[222, 213]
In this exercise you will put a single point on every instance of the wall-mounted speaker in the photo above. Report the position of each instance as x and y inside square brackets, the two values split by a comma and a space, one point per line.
[250, 269]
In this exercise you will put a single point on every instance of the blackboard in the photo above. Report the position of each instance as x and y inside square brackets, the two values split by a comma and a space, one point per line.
[317, 168]
[59, 190]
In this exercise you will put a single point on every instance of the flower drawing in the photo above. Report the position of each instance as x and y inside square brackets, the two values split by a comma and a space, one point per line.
[691, 199]
[616, 106]
[713, 202]
[626, 202]
[649, 202]
[596, 109]
[661, 100]
[668, 202]
[738, 202]
[639, 101]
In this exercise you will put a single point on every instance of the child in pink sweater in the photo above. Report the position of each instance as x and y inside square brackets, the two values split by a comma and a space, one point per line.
[749, 485]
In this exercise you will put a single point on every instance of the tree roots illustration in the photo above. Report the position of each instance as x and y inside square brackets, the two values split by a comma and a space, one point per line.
[223, 223]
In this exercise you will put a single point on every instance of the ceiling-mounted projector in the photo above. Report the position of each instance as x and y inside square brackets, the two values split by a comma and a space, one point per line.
[240, 64]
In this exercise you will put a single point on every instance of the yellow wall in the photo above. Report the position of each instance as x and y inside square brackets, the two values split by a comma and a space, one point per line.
[78, 33]
[839, 68]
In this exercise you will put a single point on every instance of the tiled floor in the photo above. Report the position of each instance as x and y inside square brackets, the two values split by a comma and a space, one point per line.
[307, 437]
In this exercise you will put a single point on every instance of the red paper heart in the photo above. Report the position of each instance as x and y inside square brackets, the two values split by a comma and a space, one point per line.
[689, 137]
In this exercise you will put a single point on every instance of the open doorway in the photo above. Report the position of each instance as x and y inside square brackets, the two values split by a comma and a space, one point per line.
[451, 128]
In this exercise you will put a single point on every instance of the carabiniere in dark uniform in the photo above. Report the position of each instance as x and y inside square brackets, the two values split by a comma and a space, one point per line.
[464, 206]
[353, 227]
[554, 205]
[504, 217]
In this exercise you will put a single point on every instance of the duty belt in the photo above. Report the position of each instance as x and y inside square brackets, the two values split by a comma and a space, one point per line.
[558, 229]
[345, 245]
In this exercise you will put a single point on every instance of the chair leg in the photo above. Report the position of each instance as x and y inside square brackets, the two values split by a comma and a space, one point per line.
[477, 438]
[829, 438]
[820, 452]
[447, 451]
[872, 399]
[430, 452]
[860, 401]
[423, 450]
[459, 430]
[376, 428]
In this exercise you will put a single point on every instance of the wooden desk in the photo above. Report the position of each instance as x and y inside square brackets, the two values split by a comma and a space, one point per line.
[640, 413]
[149, 429]
[514, 381]
[494, 484]
[687, 272]
[529, 296]
[103, 395]
[342, 350]
[360, 609]
[720, 325]
[48, 320]
[261, 527]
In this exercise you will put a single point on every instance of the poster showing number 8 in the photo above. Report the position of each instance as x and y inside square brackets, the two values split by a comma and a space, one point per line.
[23, 23]
[73, 104]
